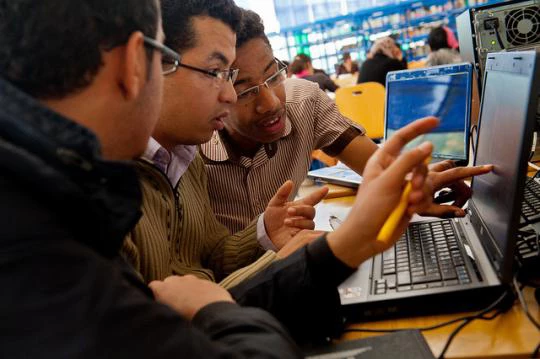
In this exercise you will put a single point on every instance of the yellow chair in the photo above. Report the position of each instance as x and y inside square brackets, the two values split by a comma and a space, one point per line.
[416, 64]
[364, 104]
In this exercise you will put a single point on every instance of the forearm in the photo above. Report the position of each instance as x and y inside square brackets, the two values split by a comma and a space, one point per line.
[356, 154]
[297, 287]
[231, 252]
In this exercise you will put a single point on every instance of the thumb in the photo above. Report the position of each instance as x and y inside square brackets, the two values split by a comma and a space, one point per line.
[282, 194]
[315, 197]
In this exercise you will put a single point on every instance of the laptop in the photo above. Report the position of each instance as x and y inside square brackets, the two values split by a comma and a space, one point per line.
[339, 174]
[442, 91]
[466, 263]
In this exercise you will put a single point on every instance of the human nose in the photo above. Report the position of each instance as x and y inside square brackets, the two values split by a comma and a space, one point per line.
[267, 100]
[227, 93]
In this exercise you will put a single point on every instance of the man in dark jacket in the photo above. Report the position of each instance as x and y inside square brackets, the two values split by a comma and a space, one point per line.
[71, 112]
[80, 91]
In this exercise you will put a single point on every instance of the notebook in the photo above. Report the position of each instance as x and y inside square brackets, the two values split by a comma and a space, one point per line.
[463, 264]
[442, 91]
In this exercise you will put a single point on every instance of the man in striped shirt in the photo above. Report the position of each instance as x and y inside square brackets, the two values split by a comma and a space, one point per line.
[275, 125]
[178, 233]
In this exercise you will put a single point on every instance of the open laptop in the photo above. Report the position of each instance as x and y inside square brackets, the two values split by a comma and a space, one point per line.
[466, 263]
[442, 91]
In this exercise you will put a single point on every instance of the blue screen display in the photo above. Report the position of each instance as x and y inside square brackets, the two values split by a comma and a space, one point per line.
[432, 92]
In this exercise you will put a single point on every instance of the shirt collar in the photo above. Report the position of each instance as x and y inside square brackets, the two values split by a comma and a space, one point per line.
[178, 161]
[216, 149]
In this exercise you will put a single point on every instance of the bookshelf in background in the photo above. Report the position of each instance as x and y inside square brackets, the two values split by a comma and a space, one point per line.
[326, 39]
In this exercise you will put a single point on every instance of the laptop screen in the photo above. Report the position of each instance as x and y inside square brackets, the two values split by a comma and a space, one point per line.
[504, 140]
[441, 91]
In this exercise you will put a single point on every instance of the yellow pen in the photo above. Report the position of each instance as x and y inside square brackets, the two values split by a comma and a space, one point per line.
[393, 220]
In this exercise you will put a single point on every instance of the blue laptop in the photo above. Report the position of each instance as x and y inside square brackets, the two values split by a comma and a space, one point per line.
[442, 91]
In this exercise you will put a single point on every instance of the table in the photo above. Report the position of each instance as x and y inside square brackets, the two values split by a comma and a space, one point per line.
[510, 335]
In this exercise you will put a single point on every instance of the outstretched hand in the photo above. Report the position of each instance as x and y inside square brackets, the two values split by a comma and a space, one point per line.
[384, 180]
[284, 219]
[445, 174]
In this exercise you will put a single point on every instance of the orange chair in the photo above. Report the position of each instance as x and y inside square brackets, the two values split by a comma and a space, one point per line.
[364, 104]
[416, 64]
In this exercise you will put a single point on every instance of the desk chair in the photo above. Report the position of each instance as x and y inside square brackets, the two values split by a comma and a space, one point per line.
[416, 64]
[364, 104]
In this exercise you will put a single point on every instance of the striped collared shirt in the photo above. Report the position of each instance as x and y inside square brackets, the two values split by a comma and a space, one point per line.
[241, 187]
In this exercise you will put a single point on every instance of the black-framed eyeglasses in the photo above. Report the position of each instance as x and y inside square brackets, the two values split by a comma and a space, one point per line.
[169, 57]
[250, 94]
[171, 61]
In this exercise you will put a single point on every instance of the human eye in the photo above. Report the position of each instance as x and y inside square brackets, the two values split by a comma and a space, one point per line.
[248, 93]
[275, 79]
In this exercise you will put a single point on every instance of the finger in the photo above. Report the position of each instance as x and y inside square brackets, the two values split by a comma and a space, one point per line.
[407, 162]
[282, 194]
[443, 211]
[314, 198]
[400, 138]
[459, 173]
[419, 176]
[299, 222]
[302, 211]
[442, 166]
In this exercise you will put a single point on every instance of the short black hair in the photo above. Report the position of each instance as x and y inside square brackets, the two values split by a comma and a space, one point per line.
[178, 17]
[52, 48]
[252, 27]
[438, 39]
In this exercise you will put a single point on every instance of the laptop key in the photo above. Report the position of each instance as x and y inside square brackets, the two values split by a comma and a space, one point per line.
[403, 278]
[448, 283]
[426, 278]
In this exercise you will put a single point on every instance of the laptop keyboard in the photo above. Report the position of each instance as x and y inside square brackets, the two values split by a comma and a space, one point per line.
[426, 256]
[530, 207]
[528, 246]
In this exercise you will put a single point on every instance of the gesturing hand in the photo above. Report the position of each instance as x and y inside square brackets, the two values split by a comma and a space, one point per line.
[283, 219]
[384, 179]
[446, 174]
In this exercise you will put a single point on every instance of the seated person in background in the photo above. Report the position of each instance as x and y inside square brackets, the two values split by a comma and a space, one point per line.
[273, 129]
[348, 66]
[383, 57]
[441, 51]
[178, 232]
[303, 69]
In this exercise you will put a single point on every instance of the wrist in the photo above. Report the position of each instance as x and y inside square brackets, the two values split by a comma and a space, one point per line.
[350, 248]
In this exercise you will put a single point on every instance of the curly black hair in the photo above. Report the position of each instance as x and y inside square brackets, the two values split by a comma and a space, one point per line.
[52, 48]
[252, 27]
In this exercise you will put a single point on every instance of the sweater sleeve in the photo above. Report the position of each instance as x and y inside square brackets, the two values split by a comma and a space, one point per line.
[225, 252]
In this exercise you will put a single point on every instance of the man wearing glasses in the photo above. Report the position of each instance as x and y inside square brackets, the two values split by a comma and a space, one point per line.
[179, 233]
[273, 128]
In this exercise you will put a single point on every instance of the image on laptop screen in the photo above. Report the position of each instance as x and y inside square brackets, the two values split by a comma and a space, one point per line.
[441, 91]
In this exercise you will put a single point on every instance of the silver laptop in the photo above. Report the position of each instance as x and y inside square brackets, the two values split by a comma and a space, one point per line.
[463, 264]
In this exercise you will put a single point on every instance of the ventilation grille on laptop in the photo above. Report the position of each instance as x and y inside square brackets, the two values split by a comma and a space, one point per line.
[523, 26]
